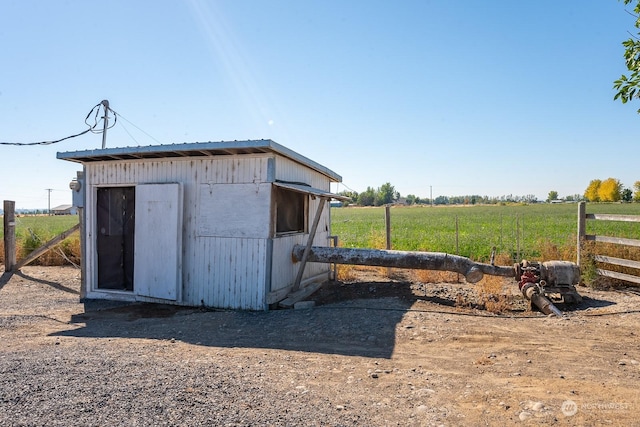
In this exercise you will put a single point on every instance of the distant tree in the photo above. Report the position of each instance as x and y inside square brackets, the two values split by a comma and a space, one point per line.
[627, 195]
[628, 86]
[386, 194]
[353, 195]
[610, 190]
[553, 195]
[636, 191]
[441, 200]
[367, 198]
[411, 199]
[591, 193]
[508, 198]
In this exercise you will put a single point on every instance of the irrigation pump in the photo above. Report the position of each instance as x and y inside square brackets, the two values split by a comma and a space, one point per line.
[548, 282]
[541, 283]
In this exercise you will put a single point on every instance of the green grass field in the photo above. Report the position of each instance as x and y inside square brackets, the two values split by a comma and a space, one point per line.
[532, 230]
[535, 232]
[44, 226]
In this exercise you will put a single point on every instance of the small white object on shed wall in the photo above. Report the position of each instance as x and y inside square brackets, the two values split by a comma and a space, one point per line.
[158, 241]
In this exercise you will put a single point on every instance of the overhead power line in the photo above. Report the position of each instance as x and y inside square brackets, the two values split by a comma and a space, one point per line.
[95, 111]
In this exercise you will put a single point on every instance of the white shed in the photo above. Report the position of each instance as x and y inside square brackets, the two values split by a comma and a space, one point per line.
[200, 224]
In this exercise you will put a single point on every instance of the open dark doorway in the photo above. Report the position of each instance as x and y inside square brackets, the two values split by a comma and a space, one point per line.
[115, 240]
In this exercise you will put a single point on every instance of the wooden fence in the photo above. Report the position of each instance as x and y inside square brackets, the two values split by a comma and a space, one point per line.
[10, 251]
[583, 216]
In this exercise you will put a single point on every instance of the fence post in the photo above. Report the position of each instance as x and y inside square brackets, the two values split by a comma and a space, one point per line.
[582, 230]
[517, 237]
[457, 246]
[9, 235]
[457, 237]
[387, 221]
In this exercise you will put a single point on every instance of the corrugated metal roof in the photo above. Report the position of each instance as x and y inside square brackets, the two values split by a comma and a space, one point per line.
[302, 188]
[195, 149]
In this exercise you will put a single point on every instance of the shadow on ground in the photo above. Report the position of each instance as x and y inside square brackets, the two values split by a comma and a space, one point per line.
[358, 319]
[51, 283]
[4, 278]
[333, 327]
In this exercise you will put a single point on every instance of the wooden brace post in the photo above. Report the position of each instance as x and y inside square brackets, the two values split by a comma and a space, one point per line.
[307, 249]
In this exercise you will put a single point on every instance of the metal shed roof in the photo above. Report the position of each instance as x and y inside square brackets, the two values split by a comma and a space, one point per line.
[306, 189]
[195, 149]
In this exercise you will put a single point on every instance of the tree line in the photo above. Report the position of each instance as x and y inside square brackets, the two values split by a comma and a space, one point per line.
[609, 190]
[387, 194]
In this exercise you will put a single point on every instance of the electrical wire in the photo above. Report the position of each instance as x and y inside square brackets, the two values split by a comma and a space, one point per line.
[129, 133]
[67, 258]
[347, 187]
[95, 118]
[92, 128]
[134, 125]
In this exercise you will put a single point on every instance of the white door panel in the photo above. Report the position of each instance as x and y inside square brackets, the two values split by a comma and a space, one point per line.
[158, 241]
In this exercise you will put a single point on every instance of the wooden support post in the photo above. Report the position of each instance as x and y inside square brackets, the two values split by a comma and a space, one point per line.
[457, 246]
[312, 235]
[9, 235]
[387, 222]
[46, 247]
[582, 230]
[517, 238]
[457, 237]
[334, 266]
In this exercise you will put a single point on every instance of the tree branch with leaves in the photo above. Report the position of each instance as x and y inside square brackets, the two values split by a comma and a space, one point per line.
[628, 85]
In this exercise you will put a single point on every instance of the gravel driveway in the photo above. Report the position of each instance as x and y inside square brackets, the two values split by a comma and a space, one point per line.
[399, 358]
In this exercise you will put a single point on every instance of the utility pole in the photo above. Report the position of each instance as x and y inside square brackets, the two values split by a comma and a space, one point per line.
[105, 104]
[431, 194]
[49, 190]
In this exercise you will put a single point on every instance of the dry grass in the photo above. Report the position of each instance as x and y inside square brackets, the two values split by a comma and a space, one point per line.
[432, 276]
[346, 273]
[493, 295]
[377, 239]
[351, 273]
[589, 265]
[503, 259]
[67, 252]
[491, 289]
[551, 251]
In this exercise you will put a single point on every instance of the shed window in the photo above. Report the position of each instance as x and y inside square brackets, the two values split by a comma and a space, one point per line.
[291, 211]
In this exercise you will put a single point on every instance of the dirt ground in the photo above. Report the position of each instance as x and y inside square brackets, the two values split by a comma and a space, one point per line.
[374, 352]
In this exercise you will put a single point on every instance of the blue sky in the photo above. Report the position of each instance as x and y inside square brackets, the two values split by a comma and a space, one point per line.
[489, 98]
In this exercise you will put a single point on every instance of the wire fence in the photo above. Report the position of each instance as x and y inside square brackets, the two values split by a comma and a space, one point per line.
[516, 233]
[32, 231]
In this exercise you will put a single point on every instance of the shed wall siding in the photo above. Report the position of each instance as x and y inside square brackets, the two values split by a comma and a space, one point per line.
[284, 271]
[288, 170]
[228, 273]
[219, 272]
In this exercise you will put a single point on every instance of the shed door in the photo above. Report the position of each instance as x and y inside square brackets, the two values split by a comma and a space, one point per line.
[115, 237]
[158, 240]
